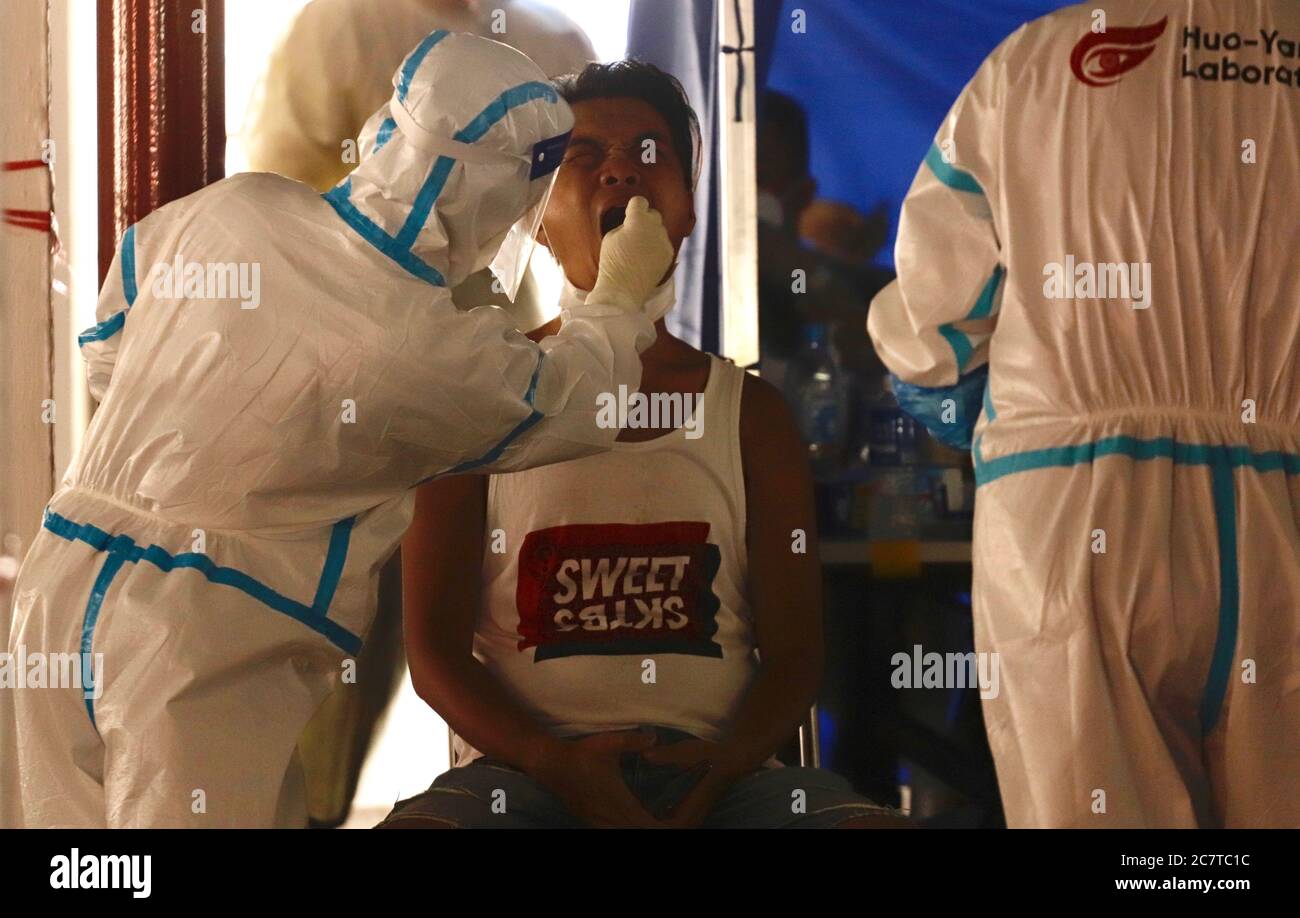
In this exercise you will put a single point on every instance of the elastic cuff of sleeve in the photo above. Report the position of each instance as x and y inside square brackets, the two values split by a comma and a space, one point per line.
[948, 412]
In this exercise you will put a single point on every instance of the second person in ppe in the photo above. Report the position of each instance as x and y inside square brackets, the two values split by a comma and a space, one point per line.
[1086, 250]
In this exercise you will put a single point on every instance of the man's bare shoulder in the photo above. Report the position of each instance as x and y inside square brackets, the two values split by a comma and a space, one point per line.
[763, 408]
[446, 503]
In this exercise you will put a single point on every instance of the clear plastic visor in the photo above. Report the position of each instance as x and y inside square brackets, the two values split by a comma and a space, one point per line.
[510, 263]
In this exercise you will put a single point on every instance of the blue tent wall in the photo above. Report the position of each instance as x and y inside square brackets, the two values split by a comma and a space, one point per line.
[877, 78]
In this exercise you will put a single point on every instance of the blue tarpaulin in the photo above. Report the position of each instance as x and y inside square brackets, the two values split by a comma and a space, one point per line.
[877, 77]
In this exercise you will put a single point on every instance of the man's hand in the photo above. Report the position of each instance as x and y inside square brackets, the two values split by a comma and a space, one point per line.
[633, 258]
[587, 776]
[721, 769]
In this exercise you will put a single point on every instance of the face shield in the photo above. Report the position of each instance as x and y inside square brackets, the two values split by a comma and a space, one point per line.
[511, 261]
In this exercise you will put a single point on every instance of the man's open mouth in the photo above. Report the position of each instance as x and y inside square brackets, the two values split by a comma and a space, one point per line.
[612, 219]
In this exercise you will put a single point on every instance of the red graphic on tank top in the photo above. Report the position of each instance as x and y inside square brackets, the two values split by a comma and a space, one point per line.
[618, 588]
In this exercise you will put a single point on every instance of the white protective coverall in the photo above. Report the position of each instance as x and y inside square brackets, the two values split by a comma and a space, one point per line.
[329, 72]
[217, 540]
[1105, 231]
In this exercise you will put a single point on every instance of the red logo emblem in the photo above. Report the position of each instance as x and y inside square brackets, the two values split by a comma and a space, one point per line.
[1101, 58]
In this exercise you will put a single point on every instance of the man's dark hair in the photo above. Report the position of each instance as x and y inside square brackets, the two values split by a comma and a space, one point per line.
[787, 119]
[634, 79]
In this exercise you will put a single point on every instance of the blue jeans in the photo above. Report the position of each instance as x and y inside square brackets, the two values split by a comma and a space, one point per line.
[764, 799]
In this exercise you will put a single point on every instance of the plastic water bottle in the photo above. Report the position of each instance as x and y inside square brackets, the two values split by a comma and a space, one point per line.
[822, 401]
[894, 526]
[892, 438]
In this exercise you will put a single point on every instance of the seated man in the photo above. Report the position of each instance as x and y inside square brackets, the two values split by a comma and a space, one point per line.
[646, 628]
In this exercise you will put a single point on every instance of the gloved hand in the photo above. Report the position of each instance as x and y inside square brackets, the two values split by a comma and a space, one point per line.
[633, 258]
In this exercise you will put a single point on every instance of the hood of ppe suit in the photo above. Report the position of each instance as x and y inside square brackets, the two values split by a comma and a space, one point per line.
[464, 149]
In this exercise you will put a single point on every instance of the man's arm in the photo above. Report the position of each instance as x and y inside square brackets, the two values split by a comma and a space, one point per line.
[442, 556]
[785, 598]
[785, 585]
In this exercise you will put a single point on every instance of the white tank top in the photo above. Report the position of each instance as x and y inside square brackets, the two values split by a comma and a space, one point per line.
[620, 597]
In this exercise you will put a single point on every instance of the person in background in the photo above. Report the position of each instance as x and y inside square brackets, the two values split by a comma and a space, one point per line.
[784, 189]
[644, 634]
[837, 282]
[328, 74]
[847, 240]
[332, 70]
[843, 232]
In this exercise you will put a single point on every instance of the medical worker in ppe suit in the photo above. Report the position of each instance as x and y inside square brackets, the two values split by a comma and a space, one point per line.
[214, 547]
[1100, 248]
[330, 70]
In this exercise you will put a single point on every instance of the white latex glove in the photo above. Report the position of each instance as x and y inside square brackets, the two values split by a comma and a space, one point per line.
[633, 258]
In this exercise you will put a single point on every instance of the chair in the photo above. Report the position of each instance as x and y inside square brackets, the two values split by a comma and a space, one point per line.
[810, 743]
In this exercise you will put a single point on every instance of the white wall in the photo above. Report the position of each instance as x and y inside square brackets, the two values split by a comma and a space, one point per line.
[26, 441]
[74, 128]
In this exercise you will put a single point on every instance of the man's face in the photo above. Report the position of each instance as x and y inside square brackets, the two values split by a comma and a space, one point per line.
[605, 166]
